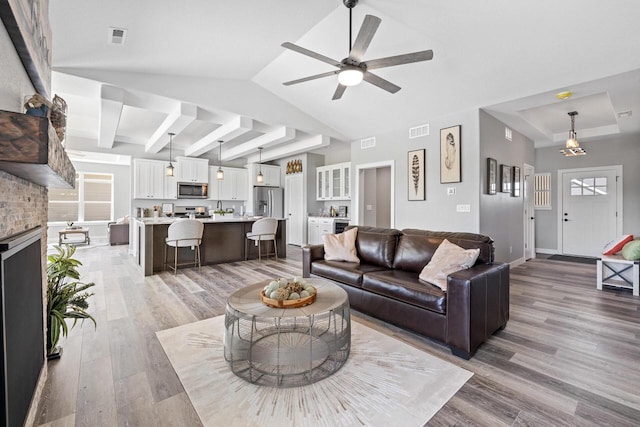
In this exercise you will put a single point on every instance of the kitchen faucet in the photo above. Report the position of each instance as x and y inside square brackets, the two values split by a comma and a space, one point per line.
[219, 205]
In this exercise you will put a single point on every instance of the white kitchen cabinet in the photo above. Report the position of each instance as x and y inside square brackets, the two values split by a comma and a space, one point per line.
[191, 169]
[333, 182]
[270, 173]
[319, 226]
[170, 187]
[148, 179]
[234, 186]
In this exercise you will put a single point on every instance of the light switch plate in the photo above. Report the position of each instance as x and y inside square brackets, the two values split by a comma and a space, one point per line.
[451, 191]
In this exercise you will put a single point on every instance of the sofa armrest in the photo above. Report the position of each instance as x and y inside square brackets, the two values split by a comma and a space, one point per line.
[310, 253]
[477, 306]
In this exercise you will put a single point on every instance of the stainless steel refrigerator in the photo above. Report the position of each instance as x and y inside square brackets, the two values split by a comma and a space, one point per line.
[268, 201]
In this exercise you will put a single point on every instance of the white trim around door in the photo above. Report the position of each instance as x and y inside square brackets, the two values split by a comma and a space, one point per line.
[560, 207]
[356, 193]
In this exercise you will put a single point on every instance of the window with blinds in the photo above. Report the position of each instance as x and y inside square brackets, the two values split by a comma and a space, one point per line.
[542, 191]
[90, 200]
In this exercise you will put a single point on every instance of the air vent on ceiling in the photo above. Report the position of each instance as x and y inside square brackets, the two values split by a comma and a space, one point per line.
[418, 131]
[368, 143]
[623, 114]
[508, 134]
[117, 35]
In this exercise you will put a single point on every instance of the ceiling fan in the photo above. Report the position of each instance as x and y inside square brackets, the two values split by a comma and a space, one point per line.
[352, 69]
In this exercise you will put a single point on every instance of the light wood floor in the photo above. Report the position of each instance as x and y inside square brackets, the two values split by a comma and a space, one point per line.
[568, 356]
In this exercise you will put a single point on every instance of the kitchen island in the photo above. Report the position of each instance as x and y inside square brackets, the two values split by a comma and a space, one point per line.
[223, 240]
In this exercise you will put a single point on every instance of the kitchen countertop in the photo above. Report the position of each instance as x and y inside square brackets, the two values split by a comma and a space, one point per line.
[217, 219]
[344, 218]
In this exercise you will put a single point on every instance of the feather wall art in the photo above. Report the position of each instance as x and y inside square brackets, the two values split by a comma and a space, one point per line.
[416, 175]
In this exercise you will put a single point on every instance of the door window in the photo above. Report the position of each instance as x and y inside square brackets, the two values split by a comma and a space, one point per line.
[589, 186]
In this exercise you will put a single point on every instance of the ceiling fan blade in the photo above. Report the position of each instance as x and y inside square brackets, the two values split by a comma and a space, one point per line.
[339, 91]
[366, 33]
[380, 82]
[407, 58]
[311, 53]
[306, 79]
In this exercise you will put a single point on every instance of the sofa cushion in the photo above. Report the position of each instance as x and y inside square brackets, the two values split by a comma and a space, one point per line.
[376, 246]
[341, 247]
[349, 273]
[464, 240]
[447, 259]
[406, 287]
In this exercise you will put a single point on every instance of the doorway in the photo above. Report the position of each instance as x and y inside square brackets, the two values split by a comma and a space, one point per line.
[294, 189]
[529, 217]
[374, 195]
[590, 209]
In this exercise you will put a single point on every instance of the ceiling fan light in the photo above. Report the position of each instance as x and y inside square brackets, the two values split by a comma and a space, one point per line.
[350, 76]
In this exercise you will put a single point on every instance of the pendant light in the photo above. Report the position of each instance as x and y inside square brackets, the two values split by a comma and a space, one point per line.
[572, 148]
[220, 173]
[260, 177]
[170, 168]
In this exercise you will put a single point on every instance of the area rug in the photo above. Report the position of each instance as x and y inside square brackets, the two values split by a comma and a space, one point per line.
[578, 259]
[385, 382]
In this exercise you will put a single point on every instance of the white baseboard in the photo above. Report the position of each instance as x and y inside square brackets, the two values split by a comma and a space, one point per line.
[517, 262]
[546, 251]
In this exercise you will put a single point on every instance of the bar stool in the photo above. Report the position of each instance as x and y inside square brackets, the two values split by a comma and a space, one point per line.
[262, 229]
[181, 234]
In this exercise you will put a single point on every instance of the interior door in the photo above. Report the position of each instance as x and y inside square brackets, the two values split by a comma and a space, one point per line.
[529, 217]
[294, 190]
[588, 212]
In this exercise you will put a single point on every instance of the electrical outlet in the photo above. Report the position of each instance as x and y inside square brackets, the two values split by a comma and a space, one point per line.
[463, 208]
[369, 207]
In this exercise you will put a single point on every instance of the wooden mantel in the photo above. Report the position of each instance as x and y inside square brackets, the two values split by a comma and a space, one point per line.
[30, 149]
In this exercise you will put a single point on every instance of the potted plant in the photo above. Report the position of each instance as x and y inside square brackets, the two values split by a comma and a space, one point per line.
[66, 296]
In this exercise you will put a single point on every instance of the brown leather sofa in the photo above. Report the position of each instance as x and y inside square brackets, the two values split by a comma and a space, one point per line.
[385, 285]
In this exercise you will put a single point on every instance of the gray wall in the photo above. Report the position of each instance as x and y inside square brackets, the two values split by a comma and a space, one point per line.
[383, 200]
[369, 197]
[501, 215]
[438, 211]
[611, 151]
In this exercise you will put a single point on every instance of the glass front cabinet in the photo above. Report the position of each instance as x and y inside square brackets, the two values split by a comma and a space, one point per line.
[334, 182]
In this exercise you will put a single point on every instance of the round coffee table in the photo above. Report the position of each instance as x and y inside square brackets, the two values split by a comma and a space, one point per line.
[287, 347]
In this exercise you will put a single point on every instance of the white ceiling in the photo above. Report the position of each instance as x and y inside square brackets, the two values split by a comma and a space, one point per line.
[214, 70]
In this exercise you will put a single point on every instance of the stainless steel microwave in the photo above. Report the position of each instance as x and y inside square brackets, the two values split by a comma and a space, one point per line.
[190, 190]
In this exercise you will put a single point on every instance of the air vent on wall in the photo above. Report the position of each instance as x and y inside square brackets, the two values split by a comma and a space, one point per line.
[117, 35]
[418, 131]
[368, 143]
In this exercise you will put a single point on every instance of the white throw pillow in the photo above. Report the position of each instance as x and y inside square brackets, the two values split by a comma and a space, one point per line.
[447, 259]
[341, 247]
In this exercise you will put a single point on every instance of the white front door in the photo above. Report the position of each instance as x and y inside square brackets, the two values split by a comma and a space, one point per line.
[294, 189]
[529, 218]
[588, 216]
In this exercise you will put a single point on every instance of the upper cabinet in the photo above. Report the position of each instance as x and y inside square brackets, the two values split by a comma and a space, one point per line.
[234, 186]
[150, 182]
[270, 173]
[193, 170]
[333, 182]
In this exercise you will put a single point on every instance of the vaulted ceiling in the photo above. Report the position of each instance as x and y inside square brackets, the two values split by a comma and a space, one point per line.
[210, 71]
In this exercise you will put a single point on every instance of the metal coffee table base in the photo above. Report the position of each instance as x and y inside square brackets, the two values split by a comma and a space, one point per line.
[278, 351]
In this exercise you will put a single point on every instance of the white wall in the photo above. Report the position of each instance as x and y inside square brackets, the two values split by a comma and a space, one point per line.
[438, 211]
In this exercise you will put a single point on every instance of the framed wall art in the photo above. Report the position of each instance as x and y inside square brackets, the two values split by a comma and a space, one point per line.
[515, 184]
[505, 179]
[416, 174]
[450, 167]
[27, 23]
[492, 176]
